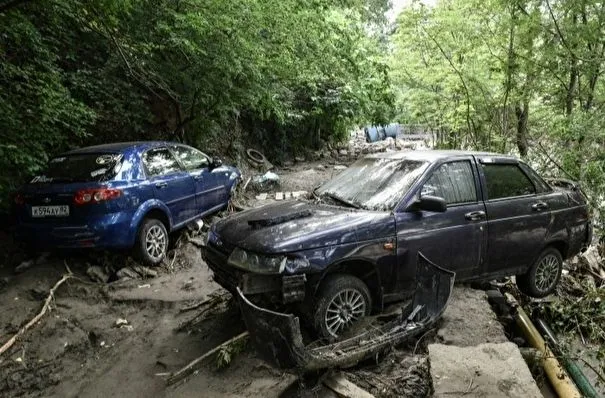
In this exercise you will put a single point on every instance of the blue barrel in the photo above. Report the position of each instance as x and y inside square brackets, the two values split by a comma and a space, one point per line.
[392, 130]
[371, 133]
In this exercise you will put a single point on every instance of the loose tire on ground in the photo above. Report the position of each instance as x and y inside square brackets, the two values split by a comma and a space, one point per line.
[152, 242]
[542, 278]
[334, 294]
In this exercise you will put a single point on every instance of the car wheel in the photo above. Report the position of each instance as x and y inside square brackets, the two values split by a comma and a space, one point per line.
[342, 301]
[152, 242]
[543, 276]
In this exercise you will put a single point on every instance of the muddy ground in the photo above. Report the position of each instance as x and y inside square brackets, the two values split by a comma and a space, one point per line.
[121, 338]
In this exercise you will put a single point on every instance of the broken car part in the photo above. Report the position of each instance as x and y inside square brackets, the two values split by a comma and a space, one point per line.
[557, 375]
[278, 338]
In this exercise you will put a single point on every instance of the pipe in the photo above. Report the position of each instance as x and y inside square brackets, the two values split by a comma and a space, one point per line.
[556, 374]
[573, 369]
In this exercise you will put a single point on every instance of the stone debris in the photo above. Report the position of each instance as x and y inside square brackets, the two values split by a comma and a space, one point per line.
[97, 274]
[340, 167]
[126, 273]
[144, 271]
[485, 370]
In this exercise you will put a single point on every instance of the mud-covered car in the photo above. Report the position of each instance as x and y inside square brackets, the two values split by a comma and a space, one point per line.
[354, 247]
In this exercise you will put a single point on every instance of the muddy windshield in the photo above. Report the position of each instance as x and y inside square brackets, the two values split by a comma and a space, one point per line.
[81, 168]
[374, 183]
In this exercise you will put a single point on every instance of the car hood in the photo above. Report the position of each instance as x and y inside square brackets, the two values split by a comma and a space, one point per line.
[297, 225]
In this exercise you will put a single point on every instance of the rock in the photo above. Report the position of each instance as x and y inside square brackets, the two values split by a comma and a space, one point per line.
[97, 274]
[145, 271]
[320, 167]
[339, 167]
[486, 370]
[24, 265]
[299, 159]
[120, 322]
[343, 152]
[127, 272]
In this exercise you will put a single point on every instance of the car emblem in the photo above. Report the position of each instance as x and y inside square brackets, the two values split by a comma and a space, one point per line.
[46, 200]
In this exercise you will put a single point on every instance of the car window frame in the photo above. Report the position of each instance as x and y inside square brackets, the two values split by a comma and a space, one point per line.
[474, 176]
[171, 148]
[148, 176]
[516, 164]
[533, 176]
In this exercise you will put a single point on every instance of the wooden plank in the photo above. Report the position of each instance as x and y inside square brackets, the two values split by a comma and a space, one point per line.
[344, 388]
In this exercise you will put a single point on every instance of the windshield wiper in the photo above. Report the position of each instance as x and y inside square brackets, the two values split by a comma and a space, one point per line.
[341, 200]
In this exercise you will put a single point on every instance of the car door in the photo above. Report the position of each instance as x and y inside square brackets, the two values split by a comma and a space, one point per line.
[171, 184]
[207, 185]
[454, 239]
[518, 216]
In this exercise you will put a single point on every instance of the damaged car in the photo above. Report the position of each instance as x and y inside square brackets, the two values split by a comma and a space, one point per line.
[354, 248]
[129, 195]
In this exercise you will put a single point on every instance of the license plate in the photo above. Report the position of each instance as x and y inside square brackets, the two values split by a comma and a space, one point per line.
[50, 211]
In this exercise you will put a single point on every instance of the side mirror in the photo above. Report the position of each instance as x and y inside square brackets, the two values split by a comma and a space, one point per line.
[429, 203]
[215, 162]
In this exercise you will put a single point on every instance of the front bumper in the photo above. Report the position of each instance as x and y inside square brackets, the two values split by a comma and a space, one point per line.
[278, 339]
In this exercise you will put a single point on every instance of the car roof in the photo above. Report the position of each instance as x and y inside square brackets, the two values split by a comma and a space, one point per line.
[118, 147]
[431, 155]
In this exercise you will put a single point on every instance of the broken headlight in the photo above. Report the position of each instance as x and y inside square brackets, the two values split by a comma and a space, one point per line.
[262, 264]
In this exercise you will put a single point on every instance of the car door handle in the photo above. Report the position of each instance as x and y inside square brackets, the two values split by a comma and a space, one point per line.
[475, 215]
[161, 185]
[198, 177]
[539, 206]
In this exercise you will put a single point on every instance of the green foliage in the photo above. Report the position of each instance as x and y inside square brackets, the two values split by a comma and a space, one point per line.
[522, 76]
[227, 353]
[289, 74]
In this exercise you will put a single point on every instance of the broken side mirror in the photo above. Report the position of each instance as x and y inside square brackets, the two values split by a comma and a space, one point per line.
[429, 203]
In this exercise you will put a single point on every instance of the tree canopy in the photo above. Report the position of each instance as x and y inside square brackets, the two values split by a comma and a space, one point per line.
[286, 75]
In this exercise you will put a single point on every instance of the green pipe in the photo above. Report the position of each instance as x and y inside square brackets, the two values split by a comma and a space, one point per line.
[573, 369]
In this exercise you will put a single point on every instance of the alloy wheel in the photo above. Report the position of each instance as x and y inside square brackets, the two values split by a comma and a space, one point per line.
[156, 242]
[547, 272]
[345, 308]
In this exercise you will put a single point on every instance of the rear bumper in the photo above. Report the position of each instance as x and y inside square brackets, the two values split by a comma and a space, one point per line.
[106, 231]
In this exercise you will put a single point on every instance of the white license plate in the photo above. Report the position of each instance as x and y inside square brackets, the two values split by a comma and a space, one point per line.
[50, 211]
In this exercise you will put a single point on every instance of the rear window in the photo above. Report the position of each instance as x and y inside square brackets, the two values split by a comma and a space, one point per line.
[81, 168]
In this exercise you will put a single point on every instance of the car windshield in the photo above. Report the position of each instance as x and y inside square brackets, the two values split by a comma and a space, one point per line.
[374, 183]
[81, 168]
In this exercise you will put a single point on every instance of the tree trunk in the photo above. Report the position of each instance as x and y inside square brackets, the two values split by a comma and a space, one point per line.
[522, 110]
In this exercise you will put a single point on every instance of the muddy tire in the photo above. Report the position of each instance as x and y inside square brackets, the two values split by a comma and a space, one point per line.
[341, 301]
[542, 278]
[152, 242]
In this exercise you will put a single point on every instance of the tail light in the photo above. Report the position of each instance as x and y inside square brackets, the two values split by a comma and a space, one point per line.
[96, 195]
[19, 199]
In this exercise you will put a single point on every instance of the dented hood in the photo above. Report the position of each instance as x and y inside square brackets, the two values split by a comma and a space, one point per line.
[297, 225]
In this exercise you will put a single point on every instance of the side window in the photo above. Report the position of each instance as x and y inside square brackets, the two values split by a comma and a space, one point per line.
[160, 162]
[541, 185]
[453, 182]
[191, 158]
[506, 181]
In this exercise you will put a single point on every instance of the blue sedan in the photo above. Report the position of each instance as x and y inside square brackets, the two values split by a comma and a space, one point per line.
[122, 195]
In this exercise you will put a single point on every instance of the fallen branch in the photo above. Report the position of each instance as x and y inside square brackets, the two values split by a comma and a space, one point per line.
[194, 365]
[31, 323]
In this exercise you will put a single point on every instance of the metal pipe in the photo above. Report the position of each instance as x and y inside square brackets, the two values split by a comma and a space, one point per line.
[574, 370]
[556, 374]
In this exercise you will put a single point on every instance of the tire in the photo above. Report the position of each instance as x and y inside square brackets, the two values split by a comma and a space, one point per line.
[542, 278]
[152, 242]
[340, 292]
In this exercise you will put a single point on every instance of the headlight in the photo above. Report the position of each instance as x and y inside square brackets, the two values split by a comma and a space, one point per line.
[257, 262]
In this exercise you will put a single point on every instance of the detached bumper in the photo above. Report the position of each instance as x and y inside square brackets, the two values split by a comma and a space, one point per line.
[278, 339]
